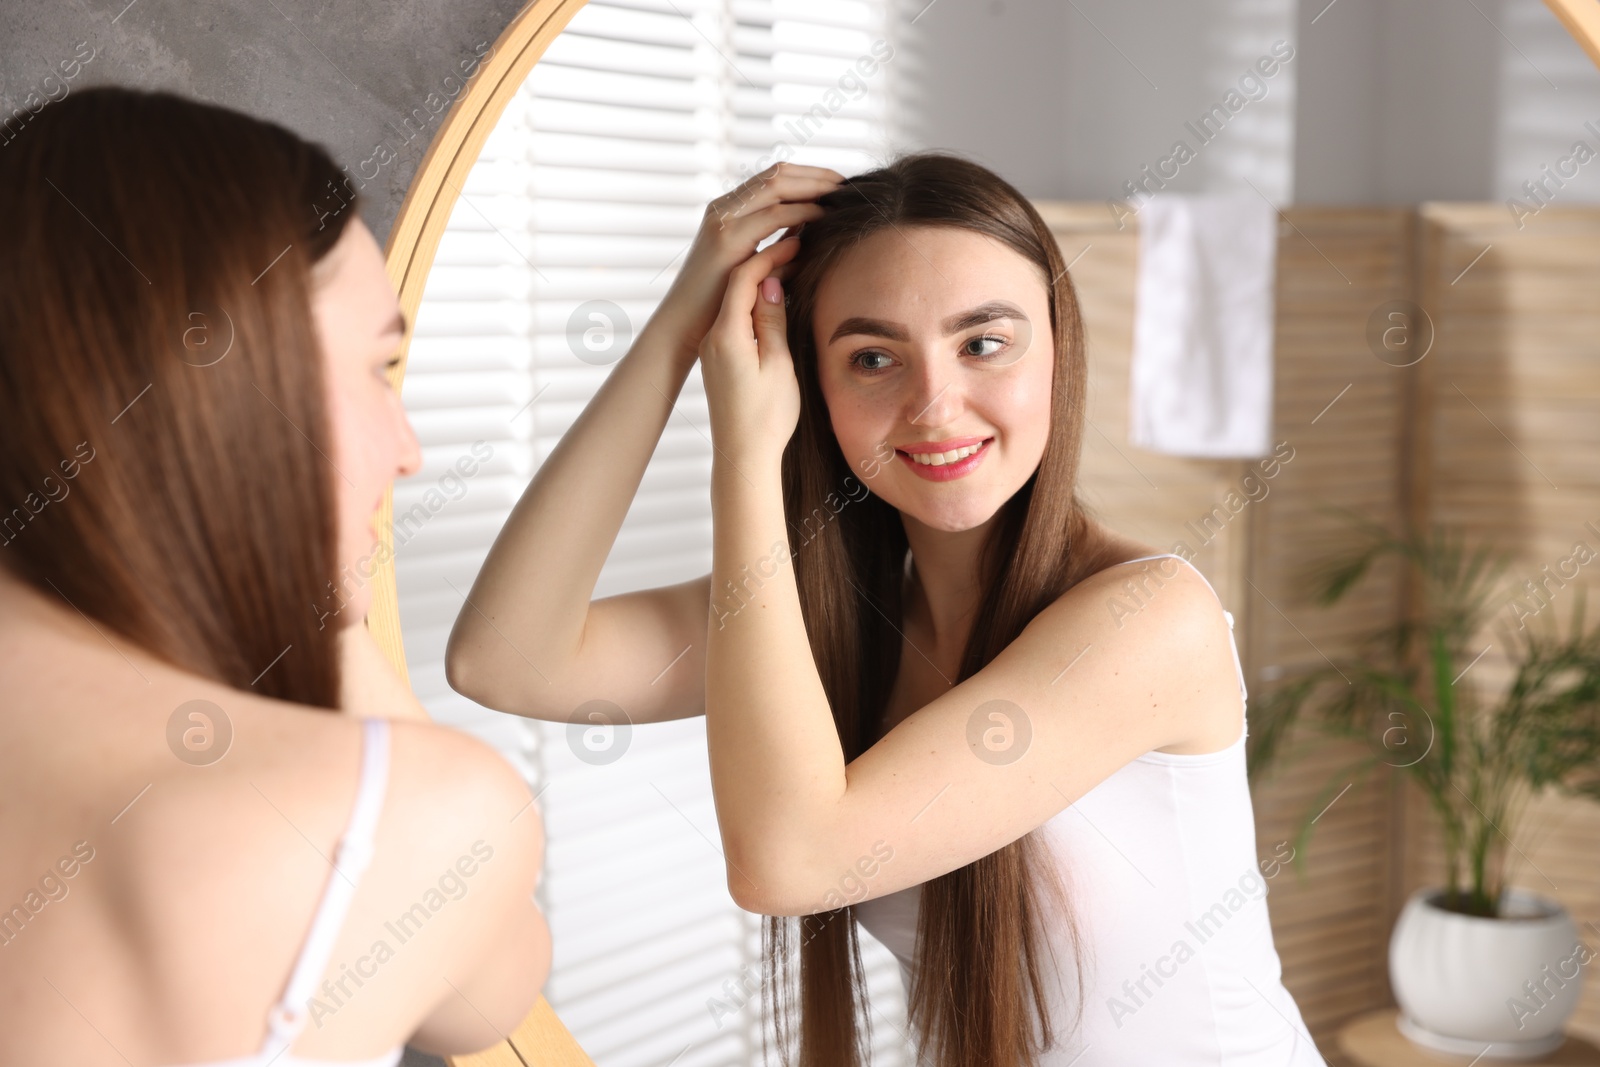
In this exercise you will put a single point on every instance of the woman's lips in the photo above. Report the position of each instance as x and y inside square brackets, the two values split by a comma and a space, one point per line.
[945, 472]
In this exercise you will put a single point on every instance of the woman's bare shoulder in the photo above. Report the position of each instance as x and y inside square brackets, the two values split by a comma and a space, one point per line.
[99, 731]
[183, 792]
[78, 691]
[118, 732]
[1157, 608]
[1110, 548]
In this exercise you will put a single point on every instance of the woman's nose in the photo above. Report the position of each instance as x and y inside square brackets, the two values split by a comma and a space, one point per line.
[935, 399]
[410, 448]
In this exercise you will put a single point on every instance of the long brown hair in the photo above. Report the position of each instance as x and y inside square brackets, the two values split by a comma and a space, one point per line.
[163, 433]
[980, 959]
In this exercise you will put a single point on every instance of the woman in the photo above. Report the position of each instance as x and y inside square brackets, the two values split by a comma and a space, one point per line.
[215, 845]
[928, 704]
[951, 665]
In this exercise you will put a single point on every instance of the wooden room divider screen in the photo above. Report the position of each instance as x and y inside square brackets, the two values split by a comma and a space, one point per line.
[1509, 393]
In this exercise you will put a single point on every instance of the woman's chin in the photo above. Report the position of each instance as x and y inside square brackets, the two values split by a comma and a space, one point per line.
[951, 519]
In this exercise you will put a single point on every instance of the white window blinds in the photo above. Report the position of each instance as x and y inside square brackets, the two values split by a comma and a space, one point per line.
[590, 189]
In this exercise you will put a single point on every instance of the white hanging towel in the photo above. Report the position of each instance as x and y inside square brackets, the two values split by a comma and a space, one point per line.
[1203, 325]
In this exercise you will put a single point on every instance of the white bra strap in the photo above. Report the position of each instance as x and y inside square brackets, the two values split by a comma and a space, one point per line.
[1233, 644]
[287, 1017]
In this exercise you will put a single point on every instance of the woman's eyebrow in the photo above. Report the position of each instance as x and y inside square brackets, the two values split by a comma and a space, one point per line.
[985, 312]
[894, 331]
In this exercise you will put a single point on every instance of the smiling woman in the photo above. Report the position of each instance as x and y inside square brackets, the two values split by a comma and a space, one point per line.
[896, 686]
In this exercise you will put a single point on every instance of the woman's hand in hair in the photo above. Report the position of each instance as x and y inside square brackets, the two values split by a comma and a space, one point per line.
[536, 588]
[780, 197]
[751, 389]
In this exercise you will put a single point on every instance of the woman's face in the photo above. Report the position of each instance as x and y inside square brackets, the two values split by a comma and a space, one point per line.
[934, 335]
[358, 324]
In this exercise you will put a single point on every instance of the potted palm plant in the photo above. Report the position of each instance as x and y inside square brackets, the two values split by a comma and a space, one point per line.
[1472, 962]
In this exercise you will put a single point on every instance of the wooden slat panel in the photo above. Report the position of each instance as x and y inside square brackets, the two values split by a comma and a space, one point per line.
[1513, 435]
[1335, 266]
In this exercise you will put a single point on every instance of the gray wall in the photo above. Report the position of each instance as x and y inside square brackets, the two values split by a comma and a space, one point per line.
[1109, 88]
[1434, 99]
[1385, 101]
[356, 77]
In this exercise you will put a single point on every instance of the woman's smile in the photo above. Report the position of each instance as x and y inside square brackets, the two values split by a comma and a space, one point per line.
[943, 461]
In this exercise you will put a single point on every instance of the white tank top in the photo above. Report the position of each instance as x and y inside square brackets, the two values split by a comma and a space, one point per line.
[1179, 968]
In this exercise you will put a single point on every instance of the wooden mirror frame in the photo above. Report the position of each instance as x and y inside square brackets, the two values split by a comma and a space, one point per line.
[409, 253]
[1582, 20]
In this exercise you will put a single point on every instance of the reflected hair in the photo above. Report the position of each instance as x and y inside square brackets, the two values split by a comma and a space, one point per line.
[156, 324]
[978, 994]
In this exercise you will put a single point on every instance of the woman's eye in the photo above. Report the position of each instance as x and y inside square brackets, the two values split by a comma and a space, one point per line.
[856, 360]
[1001, 342]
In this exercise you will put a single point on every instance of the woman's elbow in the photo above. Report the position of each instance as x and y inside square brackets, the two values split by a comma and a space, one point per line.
[457, 646]
[471, 674]
[461, 673]
[771, 888]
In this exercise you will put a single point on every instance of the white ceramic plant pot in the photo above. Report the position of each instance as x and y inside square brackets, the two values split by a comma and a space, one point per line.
[1464, 982]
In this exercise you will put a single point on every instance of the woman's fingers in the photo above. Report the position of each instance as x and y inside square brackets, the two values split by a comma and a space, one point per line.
[748, 199]
[736, 317]
[771, 321]
[772, 218]
[738, 302]
[787, 176]
[749, 373]
[777, 184]
[762, 263]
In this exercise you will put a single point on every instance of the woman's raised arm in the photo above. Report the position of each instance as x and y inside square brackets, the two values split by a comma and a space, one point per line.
[528, 640]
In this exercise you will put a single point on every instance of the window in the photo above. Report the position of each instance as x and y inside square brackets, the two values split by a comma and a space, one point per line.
[590, 189]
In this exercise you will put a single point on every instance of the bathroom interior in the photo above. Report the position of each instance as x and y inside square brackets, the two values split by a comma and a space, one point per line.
[1336, 261]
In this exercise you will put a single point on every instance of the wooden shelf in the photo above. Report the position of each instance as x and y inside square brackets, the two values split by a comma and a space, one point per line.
[1372, 1040]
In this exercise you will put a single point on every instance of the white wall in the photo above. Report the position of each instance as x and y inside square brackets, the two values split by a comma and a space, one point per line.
[1385, 101]
[1406, 100]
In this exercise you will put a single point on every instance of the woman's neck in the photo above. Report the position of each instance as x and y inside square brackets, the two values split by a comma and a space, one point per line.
[944, 590]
